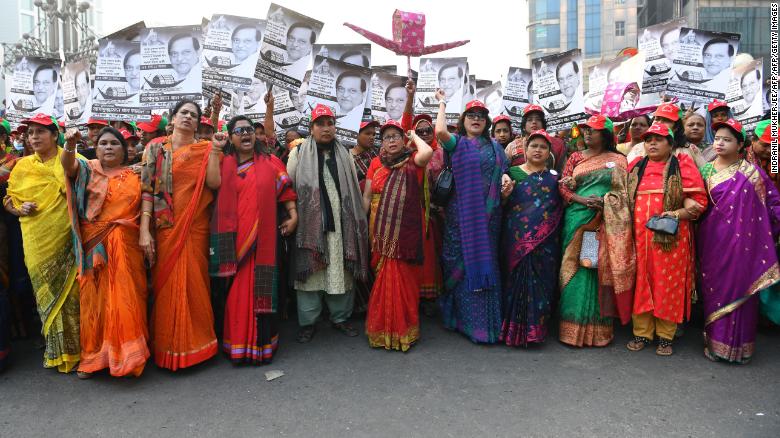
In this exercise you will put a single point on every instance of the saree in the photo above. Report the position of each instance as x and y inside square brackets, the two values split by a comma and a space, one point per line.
[531, 256]
[363, 162]
[591, 297]
[742, 224]
[182, 319]
[246, 210]
[665, 279]
[475, 312]
[48, 251]
[392, 321]
[104, 211]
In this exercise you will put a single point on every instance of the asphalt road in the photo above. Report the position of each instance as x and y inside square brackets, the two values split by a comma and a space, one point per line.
[444, 386]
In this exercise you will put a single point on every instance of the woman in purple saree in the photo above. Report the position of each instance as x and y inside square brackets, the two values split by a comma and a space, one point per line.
[736, 246]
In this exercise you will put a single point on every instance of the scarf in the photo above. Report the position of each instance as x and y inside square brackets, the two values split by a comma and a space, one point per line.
[673, 194]
[475, 205]
[397, 231]
[225, 253]
[311, 248]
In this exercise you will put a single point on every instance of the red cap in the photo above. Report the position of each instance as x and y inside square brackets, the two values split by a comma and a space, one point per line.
[93, 121]
[364, 125]
[321, 111]
[532, 108]
[128, 135]
[540, 133]
[221, 125]
[502, 118]
[152, 125]
[40, 119]
[668, 111]
[658, 128]
[734, 125]
[600, 121]
[391, 124]
[476, 105]
[715, 104]
[206, 121]
[418, 117]
[61, 123]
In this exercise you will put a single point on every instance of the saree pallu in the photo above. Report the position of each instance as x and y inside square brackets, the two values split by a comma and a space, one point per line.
[736, 247]
[586, 307]
[432, 284]
[531, 254]
[114, 332]
[393, 320]
[182, 319]
[251, 328]
[476, 314]
[48, 250]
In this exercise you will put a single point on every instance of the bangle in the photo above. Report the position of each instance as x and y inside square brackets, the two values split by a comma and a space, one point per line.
[69, 150]
[146, 213]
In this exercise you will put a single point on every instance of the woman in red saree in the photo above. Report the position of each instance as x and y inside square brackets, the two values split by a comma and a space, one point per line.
[176, 180]
[397, 176]
[104, 201]
[245, 241]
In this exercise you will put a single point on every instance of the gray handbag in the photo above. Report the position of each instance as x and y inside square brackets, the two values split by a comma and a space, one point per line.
[589, 252]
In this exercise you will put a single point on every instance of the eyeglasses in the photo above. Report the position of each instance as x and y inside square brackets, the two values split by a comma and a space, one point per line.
[424, 131]
[391, 137]
[476, 116]
[241, 130]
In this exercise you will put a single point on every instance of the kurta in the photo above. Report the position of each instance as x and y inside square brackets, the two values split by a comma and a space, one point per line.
[664, 280]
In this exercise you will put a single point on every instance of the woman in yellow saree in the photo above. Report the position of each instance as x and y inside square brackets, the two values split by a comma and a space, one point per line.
[36, 193]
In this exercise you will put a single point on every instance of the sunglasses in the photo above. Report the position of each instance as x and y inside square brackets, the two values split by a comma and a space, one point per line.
[476, 116]
[241, 130]
[424, 131]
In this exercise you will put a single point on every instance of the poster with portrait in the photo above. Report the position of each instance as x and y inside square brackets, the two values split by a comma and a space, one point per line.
[660, 43]
[388, 96]
[492, 96]
[599, 76]
[170, 65]
[517, 94]
[230, 51]
[626, 71]
[558, 86]
[744, 94]
[285, 53]
[766, 90]
[208, 94]
[392, 69]
[76, 93]
[355, 54]
[449, 74]
[702, 68]
[33, 88]
[345, 92]
[286, 110]
[117, 90]
[469, 88]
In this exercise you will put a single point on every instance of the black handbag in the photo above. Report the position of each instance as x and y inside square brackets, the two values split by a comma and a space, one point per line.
[663, 224]
[445, 183]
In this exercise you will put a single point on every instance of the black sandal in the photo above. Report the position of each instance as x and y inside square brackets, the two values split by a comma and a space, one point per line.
[663, 344]
[638, 343]
[305, 334]
[345, 328]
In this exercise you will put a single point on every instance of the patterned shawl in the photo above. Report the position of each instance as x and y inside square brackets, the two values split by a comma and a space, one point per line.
[311, 248]
[398, 227]
[475, 203]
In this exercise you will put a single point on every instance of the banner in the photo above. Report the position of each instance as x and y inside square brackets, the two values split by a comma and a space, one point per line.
[517, 94]
[285, 53]
[492, 96]
[702, 68]
[76, 93]
[388, 96]
[117, 90]
[744, 94]
[231, 50]
[344, 89]
[617, 84]
[558, 86]
[33, 88]
[355, 54]
[170, 65]
[660, 43]
[449, 74]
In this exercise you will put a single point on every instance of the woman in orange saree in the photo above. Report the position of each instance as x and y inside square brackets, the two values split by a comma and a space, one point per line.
[176, 180]
[104, 199]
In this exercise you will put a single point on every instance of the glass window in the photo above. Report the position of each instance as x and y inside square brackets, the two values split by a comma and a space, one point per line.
[544, 10]
[571, 25]
[620, 28]
[545, 37]
[26, 5]
[752, 23]
[592, 28]
[27, 24]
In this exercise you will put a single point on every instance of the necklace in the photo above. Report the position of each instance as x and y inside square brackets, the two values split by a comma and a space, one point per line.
[533, 173]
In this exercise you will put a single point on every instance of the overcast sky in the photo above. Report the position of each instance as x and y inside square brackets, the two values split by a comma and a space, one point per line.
[496, 28]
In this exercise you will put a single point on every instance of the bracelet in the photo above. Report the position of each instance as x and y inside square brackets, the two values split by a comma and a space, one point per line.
[146, 213]
[69, 150]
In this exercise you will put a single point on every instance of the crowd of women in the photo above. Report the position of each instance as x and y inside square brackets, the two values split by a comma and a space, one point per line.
[495, 232]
